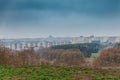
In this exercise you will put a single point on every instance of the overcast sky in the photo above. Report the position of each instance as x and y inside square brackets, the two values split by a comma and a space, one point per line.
[60, 18]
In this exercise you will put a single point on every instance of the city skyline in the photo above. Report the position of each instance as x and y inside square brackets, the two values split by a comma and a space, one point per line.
[40, 43]
[60, 18]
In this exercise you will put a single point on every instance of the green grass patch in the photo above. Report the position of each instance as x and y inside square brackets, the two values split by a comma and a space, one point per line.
[48, 72]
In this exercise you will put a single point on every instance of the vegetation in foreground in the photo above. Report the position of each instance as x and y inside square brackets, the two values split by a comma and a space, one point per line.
[59, 64]
[108, 57]
[47, 72]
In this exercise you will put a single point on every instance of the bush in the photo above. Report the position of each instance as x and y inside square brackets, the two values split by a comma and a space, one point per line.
[64, 57]
[108, 57]
[17, 58]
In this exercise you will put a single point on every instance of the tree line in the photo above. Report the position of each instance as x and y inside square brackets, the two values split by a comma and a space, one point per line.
[68, 55]
[86, 48]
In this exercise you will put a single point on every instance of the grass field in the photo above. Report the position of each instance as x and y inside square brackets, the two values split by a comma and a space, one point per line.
[44, 72]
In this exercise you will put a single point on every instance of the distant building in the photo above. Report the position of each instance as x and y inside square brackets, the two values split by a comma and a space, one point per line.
[96, 41]
[80, 40]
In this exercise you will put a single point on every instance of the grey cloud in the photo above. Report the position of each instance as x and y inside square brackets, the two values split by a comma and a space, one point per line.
[36, 10]
[80, 6]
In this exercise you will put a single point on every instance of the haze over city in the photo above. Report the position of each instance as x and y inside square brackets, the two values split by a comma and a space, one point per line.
[60, 18]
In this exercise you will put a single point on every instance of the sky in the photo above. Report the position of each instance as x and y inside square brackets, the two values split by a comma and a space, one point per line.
[60, 18]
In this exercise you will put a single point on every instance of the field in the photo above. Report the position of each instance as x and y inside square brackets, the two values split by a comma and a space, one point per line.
[48, 72]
